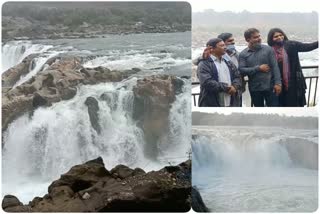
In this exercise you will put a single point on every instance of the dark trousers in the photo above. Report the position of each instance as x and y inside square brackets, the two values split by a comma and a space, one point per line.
[261, 98]
[277, 100]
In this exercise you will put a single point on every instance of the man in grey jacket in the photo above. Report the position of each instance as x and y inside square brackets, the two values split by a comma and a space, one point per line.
[219, 78]
[259, 63]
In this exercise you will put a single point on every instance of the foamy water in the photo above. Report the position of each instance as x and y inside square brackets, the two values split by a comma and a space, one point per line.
[40, 147]
[238, 169]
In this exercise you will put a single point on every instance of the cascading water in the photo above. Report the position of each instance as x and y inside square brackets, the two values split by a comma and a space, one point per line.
[175, 146]
[15, 51]
[38, 62]
[40, 147]
[143, 59]
[252, 173]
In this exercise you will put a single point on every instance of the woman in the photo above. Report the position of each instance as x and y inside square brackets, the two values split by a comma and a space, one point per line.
[293, 82]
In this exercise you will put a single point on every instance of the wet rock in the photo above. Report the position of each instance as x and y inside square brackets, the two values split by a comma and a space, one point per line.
[197, 202]
[13, 107]
[93, 109]
[58, 82]
[68, 93]
[111, 98]
[153, 97]
[38, 100]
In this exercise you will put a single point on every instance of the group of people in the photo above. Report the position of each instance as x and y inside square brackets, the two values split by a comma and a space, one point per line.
[274, 72]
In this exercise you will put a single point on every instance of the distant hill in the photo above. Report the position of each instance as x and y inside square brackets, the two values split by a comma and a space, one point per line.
[298, 26]
[30, 19]
[241, 119]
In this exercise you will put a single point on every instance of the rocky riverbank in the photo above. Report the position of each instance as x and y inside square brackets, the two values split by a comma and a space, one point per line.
[90, 187]
[15, 28]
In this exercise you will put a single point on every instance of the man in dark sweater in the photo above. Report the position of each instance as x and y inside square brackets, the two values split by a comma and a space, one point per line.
[259, 63]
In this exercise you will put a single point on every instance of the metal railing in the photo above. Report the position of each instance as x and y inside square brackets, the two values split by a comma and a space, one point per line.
[311, 94]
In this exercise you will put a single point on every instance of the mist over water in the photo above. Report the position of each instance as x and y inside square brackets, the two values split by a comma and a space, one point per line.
[241, 170]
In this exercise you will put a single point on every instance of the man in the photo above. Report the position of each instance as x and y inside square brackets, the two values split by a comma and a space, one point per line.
[231, 51]
[259, 63]
[219, 78]
[234, 56]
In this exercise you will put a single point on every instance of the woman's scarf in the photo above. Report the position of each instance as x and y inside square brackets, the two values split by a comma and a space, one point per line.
[282, 56]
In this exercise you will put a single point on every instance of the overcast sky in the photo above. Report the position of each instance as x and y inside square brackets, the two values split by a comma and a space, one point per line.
[298, 112]
[256, 5]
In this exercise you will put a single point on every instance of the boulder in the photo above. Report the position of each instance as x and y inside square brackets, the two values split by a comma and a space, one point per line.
[122, 171]
[153, 96]
[93, 109]
[10, 201]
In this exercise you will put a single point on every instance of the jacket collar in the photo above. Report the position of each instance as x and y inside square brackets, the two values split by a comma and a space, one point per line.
[225, 57]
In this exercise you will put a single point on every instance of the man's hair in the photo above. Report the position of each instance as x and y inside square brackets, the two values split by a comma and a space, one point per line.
[272, 32]
[248, 33]
[225, 36]
[213, 42]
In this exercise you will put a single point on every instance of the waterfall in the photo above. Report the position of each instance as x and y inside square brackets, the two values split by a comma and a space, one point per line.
[40, 147]
[247, 155]
[15, 51]
[253, 169]
[38, 64]
[175, 146]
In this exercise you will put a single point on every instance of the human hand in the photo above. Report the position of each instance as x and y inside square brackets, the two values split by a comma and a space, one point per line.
[231, 90]
[206, 53]
[264, 68]
[277, 89]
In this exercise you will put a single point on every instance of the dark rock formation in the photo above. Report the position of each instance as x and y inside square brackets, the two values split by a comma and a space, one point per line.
[58, 82]
[153, 98]
[90, 187]
[10, 203]
[93, 108]
[197, 203]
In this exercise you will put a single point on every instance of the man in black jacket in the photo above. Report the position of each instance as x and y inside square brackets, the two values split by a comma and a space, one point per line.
[219, 78]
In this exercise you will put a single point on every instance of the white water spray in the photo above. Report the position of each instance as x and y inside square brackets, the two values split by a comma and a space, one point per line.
[15, 51]
[40, 147]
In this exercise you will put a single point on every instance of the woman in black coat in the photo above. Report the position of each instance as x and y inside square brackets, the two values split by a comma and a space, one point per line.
[293, 82]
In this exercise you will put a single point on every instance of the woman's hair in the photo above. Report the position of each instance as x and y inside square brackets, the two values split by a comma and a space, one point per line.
[272, 32]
